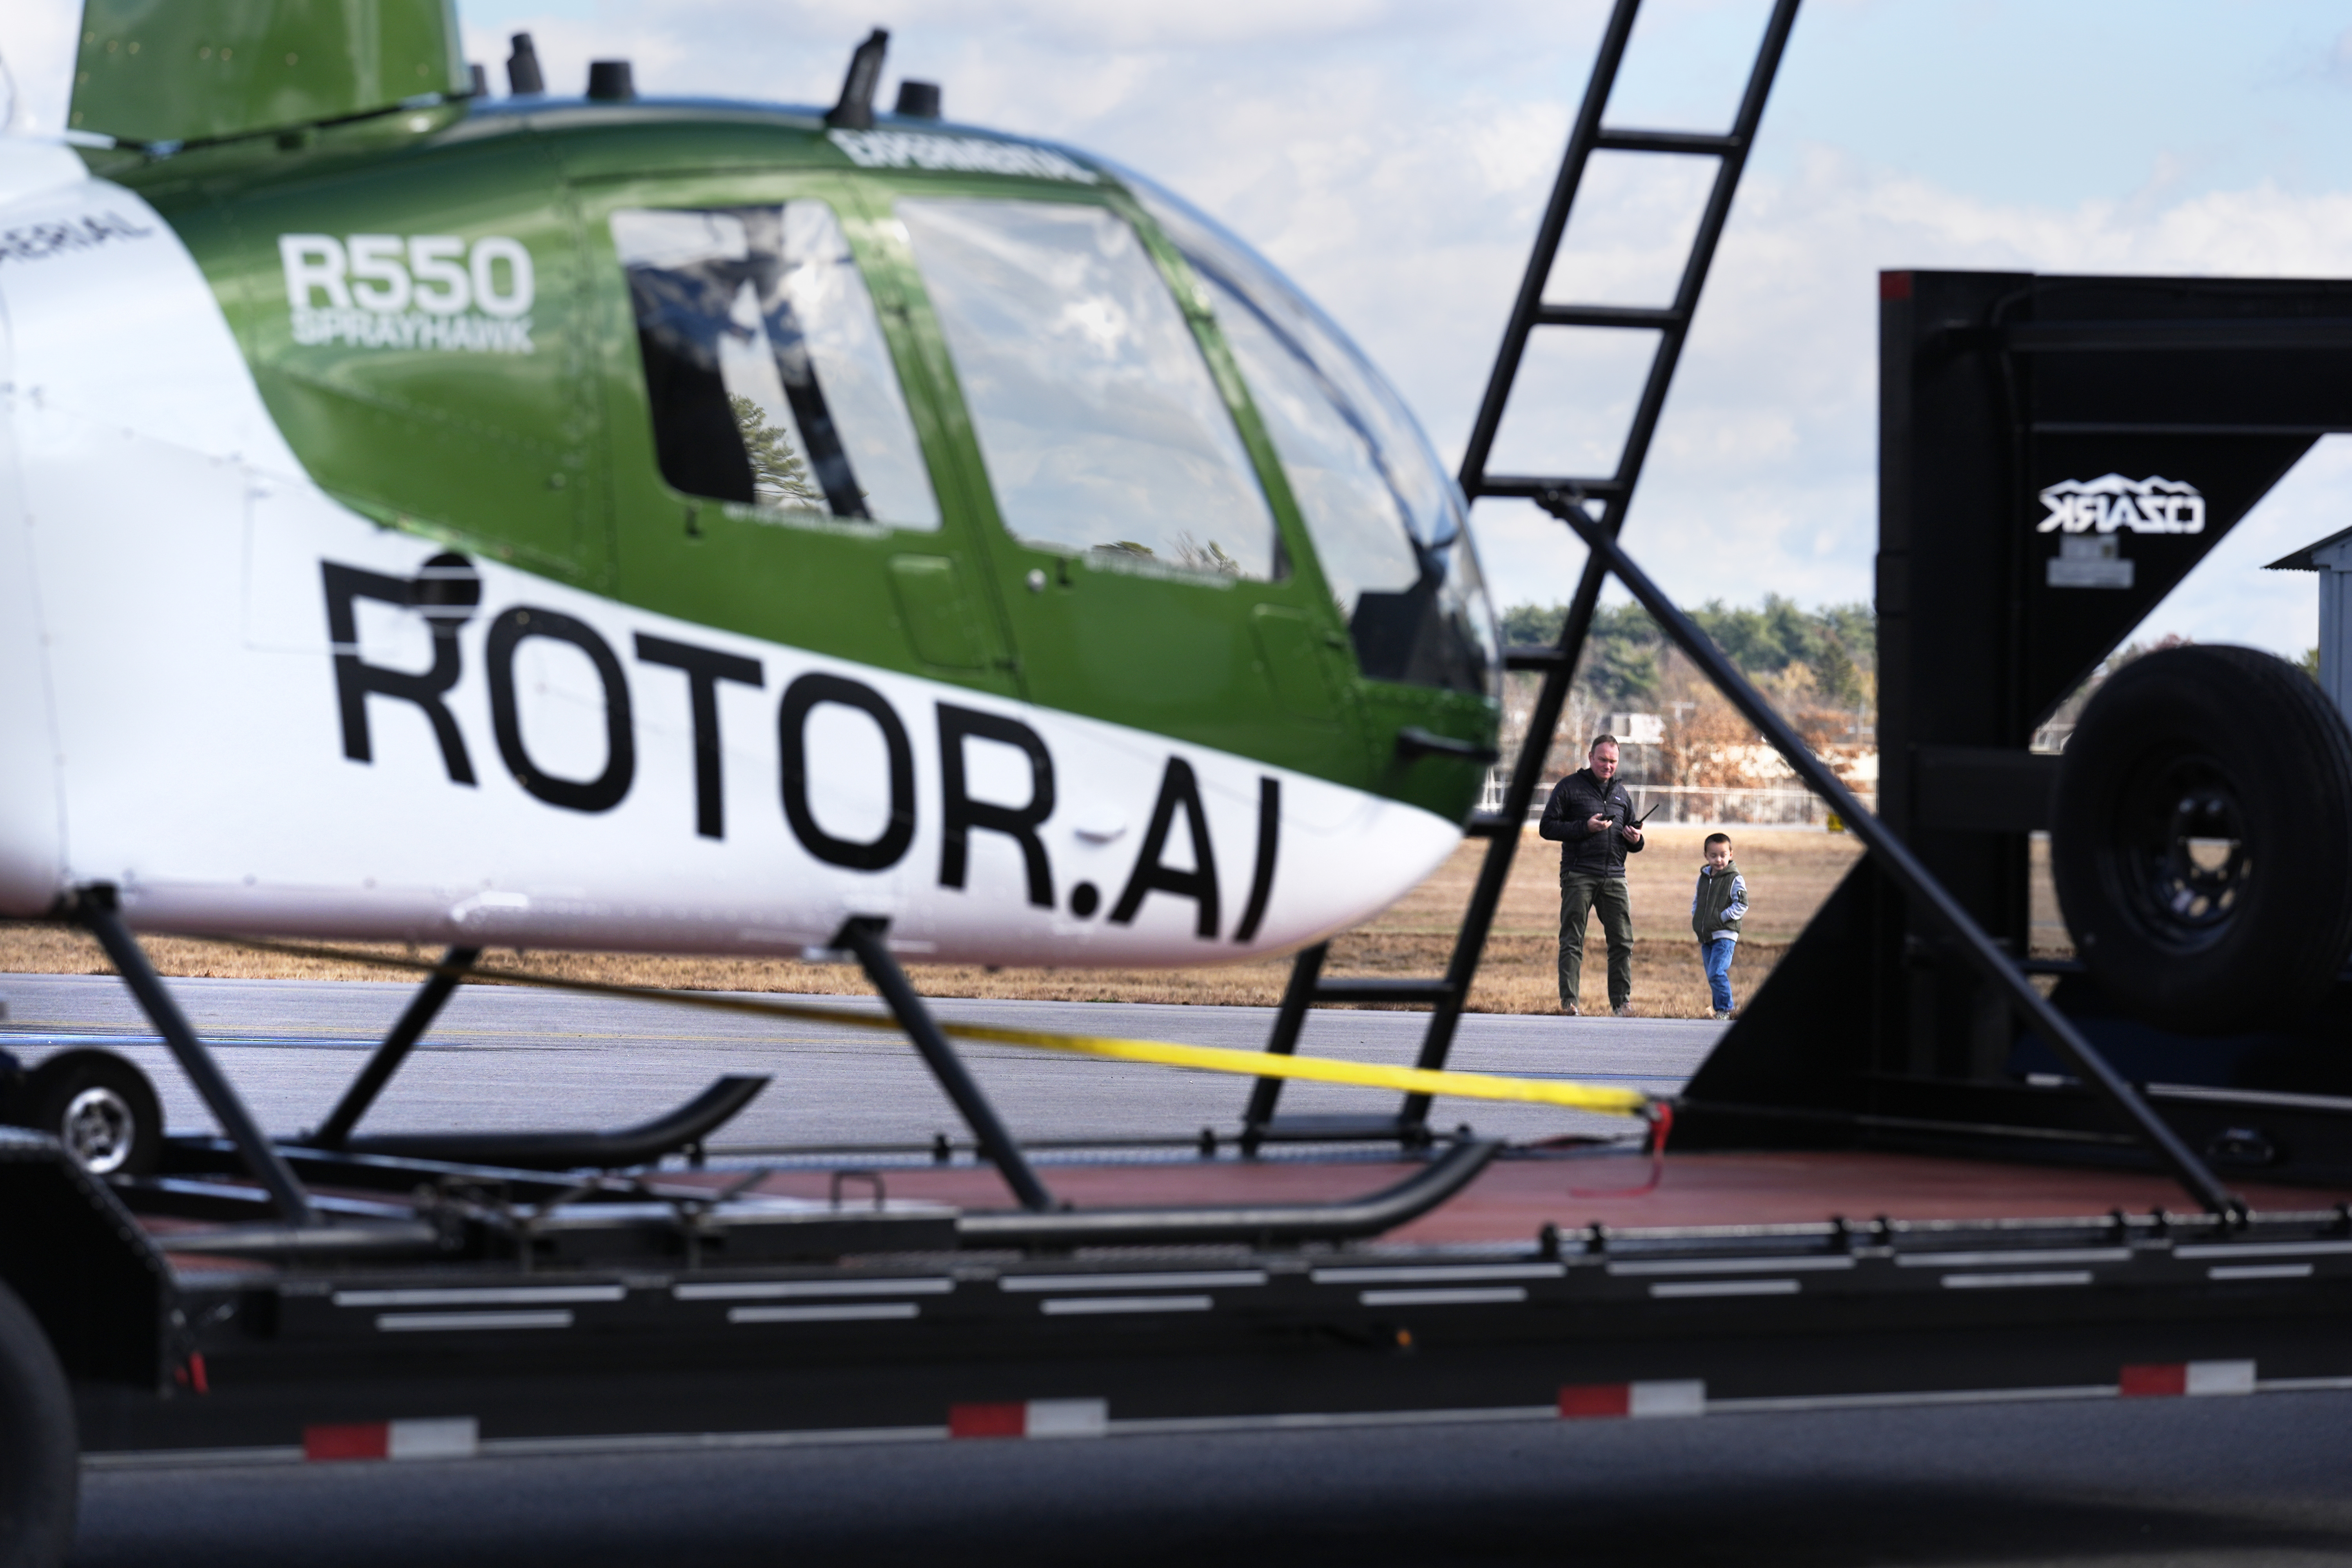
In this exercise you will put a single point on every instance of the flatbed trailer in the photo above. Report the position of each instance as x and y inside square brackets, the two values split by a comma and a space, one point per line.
[1552, 1286]
[1519, 1297]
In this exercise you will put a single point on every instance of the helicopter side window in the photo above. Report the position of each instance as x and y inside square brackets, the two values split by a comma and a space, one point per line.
[1095, 413]
[770, 381]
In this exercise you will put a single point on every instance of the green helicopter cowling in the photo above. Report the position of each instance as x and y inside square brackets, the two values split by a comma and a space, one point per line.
[535, 435]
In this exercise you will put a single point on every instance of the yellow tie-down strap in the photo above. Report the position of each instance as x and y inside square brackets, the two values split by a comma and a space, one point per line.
[1324, 1070]
[1163, 1053]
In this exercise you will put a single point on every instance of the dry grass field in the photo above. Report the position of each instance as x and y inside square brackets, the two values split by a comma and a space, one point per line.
[1789, 873]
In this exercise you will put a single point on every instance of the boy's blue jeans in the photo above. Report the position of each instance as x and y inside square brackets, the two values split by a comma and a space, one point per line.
[1717, 955]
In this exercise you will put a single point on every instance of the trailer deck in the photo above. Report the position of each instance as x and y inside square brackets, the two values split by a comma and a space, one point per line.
[1525, 1190]
[1550, 1287]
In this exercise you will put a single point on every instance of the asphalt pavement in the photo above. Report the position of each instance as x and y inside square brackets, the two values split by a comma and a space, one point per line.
[504, 1057]
[2183, 1483]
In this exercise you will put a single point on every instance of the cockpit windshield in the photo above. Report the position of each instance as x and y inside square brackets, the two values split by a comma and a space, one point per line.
[1387, 522]
[1100, 423]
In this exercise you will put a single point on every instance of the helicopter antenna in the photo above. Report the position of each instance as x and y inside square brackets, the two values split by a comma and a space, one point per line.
[524, 76]
[855, 109]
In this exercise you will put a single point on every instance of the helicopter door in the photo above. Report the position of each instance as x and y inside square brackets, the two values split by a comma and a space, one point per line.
[1145, 574]
[768, 472]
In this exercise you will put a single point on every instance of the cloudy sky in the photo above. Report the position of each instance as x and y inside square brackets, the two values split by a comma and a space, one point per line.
[1393, 157]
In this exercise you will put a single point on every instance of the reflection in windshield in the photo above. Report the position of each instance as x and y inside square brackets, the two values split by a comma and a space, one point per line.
[1095, 411]
[1387, 522]
[1352, 508]
[769, 378]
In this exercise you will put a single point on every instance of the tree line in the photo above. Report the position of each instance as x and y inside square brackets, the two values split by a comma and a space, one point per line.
[1823, 658]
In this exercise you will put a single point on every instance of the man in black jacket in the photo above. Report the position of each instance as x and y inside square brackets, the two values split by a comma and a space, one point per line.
[1591, 816]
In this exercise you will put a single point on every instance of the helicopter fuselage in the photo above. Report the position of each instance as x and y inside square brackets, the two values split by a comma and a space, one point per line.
[682, 528]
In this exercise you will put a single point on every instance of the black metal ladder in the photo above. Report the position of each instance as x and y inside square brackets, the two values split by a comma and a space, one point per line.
[1671, 323]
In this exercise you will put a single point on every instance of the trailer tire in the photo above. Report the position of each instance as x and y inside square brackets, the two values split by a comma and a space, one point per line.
[100, 1106]
[2201, 840]
[40, 1456]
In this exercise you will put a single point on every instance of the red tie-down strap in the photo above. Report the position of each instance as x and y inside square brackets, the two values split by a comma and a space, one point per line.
[1661, 1116]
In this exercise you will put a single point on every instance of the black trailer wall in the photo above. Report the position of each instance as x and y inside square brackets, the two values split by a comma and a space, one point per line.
[2055, 455]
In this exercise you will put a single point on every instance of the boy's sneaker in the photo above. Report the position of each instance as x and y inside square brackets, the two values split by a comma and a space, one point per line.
[1623, 1010]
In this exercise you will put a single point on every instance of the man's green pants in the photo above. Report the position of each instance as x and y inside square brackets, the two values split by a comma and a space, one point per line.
[1580, 893]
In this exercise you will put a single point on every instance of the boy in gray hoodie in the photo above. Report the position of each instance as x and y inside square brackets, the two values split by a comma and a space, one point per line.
[1715, 911]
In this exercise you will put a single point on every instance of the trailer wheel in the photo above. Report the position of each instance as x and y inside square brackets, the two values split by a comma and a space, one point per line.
[2201, 839]
[100, 1106]
[40, 1458]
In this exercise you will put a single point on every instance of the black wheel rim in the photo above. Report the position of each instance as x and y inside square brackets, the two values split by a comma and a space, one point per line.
[2180, 852]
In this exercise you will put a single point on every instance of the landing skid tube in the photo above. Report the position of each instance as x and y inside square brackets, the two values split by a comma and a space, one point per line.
[503, 1196]
[682, 1129]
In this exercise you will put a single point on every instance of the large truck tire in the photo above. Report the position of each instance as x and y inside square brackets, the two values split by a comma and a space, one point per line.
[2201, 840]
[100, 1105]
[40, 1458]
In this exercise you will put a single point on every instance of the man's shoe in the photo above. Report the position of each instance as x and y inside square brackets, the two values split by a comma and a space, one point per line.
[1623, 1010]
[1568, 1009]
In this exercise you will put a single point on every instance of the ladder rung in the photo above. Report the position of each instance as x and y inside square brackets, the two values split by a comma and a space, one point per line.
[1371, 989]
[1667, 142]
[1531, 655]
[1658, 318]
[1490, 825]
[1530, 485]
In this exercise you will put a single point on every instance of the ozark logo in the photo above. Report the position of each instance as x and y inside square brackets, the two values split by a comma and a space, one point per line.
[2152, 505]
